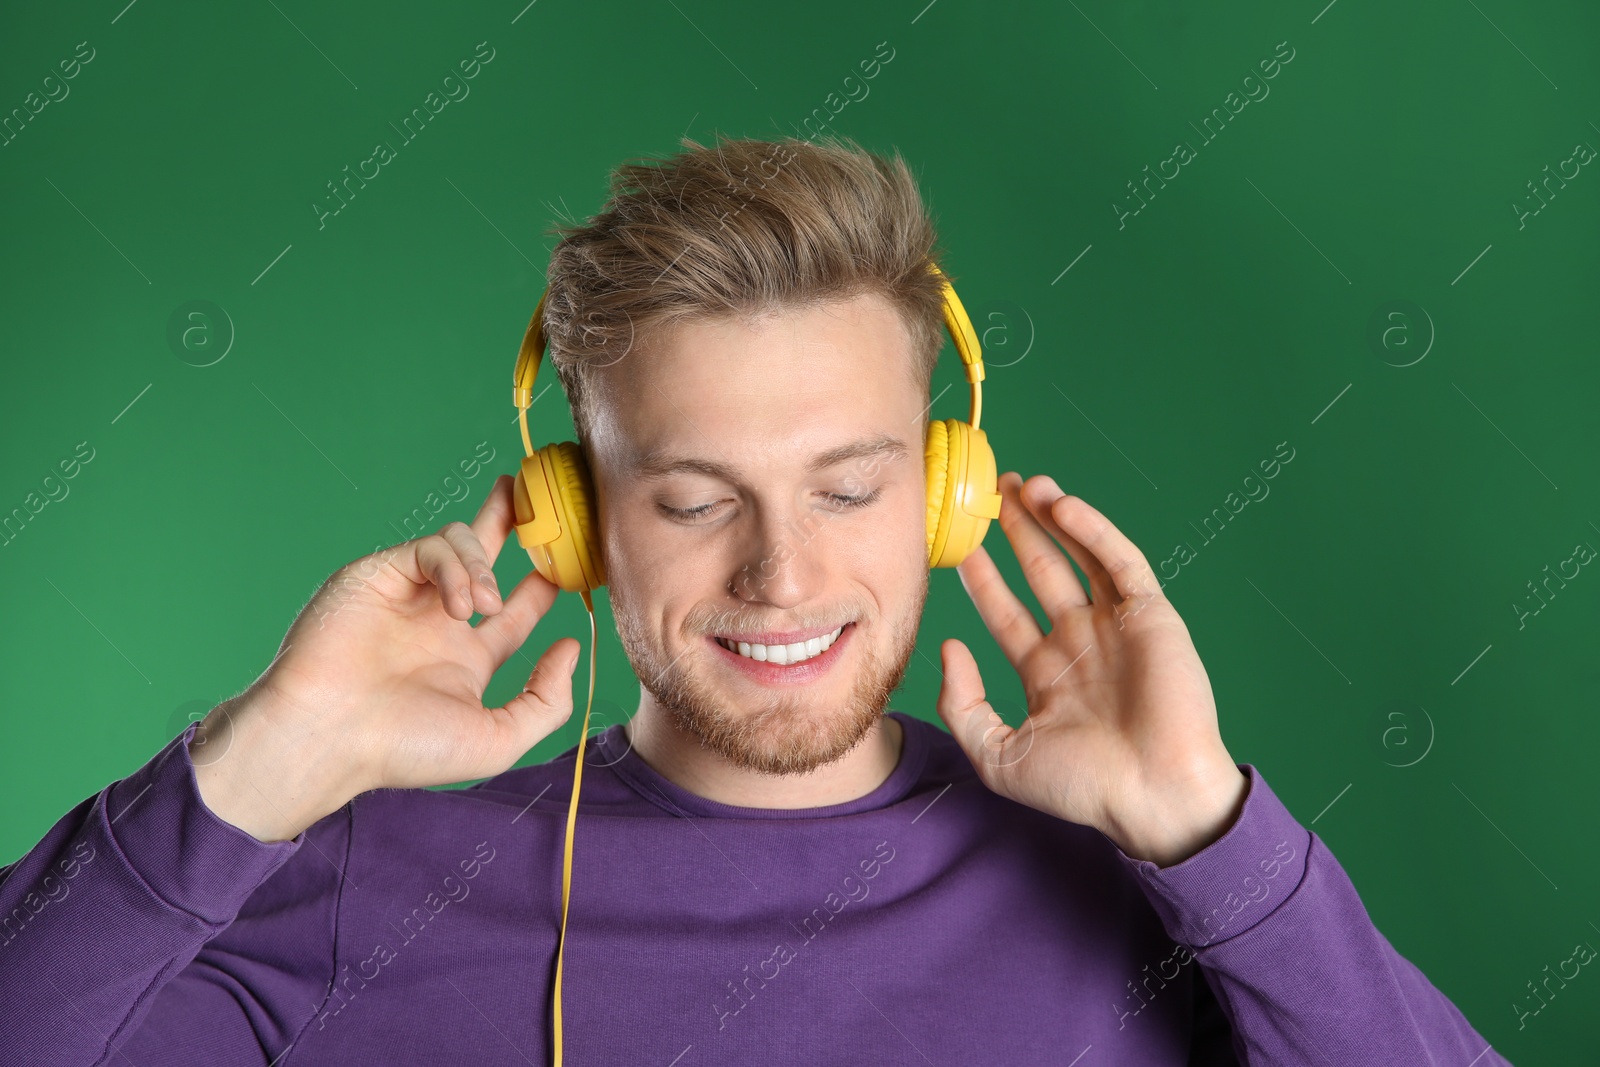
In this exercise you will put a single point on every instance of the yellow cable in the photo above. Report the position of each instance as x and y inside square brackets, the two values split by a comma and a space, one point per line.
[572, 819]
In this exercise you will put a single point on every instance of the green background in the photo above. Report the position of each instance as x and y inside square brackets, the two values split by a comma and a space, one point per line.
[1359, 622]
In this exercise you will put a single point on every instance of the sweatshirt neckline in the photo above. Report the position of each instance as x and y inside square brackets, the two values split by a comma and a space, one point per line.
[661, 791]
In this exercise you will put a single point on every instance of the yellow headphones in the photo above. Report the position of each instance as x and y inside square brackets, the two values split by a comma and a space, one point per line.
[558, 520]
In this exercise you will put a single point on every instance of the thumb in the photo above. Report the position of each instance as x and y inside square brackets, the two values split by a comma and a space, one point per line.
[546, 700]
[964, 708]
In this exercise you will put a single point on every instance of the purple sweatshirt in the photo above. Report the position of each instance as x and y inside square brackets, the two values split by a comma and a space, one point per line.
[928, 922]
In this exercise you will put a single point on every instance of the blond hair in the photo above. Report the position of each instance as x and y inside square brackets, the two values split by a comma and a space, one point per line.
[741, 229]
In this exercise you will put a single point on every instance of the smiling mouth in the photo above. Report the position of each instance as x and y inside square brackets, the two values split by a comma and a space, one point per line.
[785, 655]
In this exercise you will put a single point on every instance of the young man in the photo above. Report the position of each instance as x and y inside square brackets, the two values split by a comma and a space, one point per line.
[769, 867]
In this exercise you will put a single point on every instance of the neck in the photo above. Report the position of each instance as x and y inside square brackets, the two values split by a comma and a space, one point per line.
[679, 757]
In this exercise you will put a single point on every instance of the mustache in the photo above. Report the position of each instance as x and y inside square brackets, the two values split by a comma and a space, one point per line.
[733, 620]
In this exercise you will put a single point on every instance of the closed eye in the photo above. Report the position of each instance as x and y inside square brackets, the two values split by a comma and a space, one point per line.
[839, 502]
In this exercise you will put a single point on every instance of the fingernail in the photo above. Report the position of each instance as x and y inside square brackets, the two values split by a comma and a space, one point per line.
[488, 581]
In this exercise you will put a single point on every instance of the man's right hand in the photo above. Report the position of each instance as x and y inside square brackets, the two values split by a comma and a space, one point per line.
[379, 683]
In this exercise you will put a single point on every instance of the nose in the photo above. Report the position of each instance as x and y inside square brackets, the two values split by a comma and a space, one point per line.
[784, 564]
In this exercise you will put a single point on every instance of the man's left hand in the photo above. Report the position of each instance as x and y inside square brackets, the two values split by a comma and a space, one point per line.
[1121, 732]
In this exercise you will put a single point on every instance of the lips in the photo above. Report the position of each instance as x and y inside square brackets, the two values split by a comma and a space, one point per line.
[782, 674]
[795, 652]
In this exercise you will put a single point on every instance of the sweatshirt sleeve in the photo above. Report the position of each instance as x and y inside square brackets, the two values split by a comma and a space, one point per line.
[1295, 962]
[115, 930]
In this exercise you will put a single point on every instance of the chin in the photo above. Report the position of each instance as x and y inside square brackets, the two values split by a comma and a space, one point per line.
[784, 741]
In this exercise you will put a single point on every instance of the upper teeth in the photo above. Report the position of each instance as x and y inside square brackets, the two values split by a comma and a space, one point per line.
[795, 653]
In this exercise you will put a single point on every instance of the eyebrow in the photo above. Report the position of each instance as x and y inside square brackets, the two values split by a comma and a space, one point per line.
[657, 464]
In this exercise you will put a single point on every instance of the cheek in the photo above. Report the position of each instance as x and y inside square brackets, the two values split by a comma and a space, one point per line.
[658, 581]
[907, 542]
[634, 549]
[888, 555]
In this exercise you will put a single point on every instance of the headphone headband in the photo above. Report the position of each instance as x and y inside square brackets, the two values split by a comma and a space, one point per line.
[529, 354]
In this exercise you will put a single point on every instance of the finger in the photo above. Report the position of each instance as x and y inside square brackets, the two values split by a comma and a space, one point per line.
[434, 559]
[495, 517]
[1008, 619]
[507, 629]
[533, 714]
[1117, 560]
[967, 714]
[1039, 493]
[484, 590]
[1049, 572]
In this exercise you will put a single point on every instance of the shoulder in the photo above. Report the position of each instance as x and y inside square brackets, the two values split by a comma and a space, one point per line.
[945, 762]
[997, 848]
[512, 796]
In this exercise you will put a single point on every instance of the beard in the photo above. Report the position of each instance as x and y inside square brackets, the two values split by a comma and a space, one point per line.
[784, 733]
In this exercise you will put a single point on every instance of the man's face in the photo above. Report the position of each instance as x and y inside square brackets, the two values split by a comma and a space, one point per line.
[737, 419]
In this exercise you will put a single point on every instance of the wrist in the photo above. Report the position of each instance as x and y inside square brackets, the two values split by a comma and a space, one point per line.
[254, 769]
[1172, 829]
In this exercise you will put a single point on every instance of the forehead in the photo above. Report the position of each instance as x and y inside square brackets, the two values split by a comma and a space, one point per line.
[789, 390]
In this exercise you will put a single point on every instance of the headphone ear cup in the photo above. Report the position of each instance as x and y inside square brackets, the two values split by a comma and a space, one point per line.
[936, 457]
[557, 517]
[963, 490]
[576, 492]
